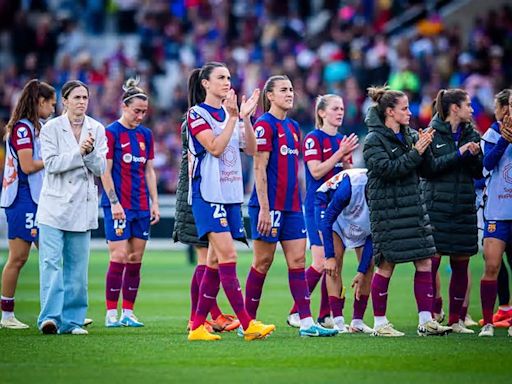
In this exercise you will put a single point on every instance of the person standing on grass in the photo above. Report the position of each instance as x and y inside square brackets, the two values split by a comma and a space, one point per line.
[275, 206]
[400, 227]
[21, 186]
[326, 152]
[497, 213]
[129, 182]
[73, 149]
[216, 191]
[343, 217]
[186, 233]
[451, 164]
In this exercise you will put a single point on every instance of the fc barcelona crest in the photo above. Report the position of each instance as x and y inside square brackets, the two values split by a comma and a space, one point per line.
[491, 227]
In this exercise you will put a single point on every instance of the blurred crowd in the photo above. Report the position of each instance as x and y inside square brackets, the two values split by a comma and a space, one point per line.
[323, 46]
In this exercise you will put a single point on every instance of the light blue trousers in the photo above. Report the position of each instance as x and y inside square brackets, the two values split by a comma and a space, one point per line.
[63, 264]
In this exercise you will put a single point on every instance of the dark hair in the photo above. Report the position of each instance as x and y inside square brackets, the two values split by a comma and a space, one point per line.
[384, 98]
[503, 96]
[196, 91]
[131, 91]
[269, 87]
[70, 85]
[321, 103]
[447, 97]
[27, 105]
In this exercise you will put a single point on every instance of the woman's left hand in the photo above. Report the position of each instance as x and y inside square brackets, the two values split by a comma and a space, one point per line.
[230, 103]
[248, 106]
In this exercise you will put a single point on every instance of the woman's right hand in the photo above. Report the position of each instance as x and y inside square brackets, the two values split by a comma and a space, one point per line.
[506, 128]
[330, 267]
[230, 103]
[347, 146]
[424, 141]
[264, 222]
[117, 212]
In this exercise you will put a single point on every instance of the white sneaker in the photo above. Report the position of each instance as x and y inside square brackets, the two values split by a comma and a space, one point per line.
[439, 317]
[341, 328]
[469, 322]
[112, 322]
[387, 330]
[87, 322]
[460, 327]
[360, 328]
[487, 331]
[293, 320]
[326, 322]
[79, 331]
[510, 331]
[13, 323]
[433, 328]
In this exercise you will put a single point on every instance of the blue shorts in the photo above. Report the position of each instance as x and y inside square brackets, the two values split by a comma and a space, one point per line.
[312, 228]
[285, 225]
[217, 218]
[21, 220]
[136, 224]
[501, 230]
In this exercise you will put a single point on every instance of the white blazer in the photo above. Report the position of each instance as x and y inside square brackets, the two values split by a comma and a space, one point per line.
[69, 197]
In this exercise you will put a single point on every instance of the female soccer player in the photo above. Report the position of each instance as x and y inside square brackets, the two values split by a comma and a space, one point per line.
[73, 150]
[217, 189]
[400, 227]
[497, 212]
[452, 163]
[343, 217]
[326, 152]
[185, 232]
[23, 178]
[128, 183]
[275, 206]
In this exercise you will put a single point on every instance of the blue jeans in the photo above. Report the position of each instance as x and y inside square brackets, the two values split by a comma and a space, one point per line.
[63, 264]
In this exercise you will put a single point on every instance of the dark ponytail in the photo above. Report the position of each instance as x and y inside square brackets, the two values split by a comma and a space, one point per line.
[196, 91]
[445, 98]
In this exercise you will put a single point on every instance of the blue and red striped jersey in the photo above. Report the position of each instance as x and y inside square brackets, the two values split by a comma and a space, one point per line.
[282, 139]
[21, 138]
[129, 149]
[320, 146]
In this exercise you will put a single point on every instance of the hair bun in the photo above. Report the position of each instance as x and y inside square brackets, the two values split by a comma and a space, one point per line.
[131, 83]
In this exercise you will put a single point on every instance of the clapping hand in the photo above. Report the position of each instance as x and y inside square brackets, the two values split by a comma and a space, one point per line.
[506, 128]
[347, 146]
[230, 103]
[87, 146]
[426, 137]
[248, 106]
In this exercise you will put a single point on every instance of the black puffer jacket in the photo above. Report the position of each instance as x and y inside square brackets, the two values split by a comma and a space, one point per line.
[400, 226]
[184, 225]
[449, 189]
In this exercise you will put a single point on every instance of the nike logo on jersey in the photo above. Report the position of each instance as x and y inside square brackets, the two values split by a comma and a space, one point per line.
[440, 145]
[325, 150]
[382, 294]
[394, 149]
[125, 145]
[281, 135]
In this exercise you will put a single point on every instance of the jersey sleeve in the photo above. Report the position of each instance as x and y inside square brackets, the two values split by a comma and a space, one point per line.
[311, 149]
[196, 123]
[21, 137]
[264, 135]
[111, 140]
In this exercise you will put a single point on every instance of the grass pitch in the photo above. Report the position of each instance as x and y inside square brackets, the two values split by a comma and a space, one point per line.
[160, 352]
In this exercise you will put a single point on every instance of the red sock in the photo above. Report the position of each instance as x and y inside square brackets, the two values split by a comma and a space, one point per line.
[114, 282]
[194, 289]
